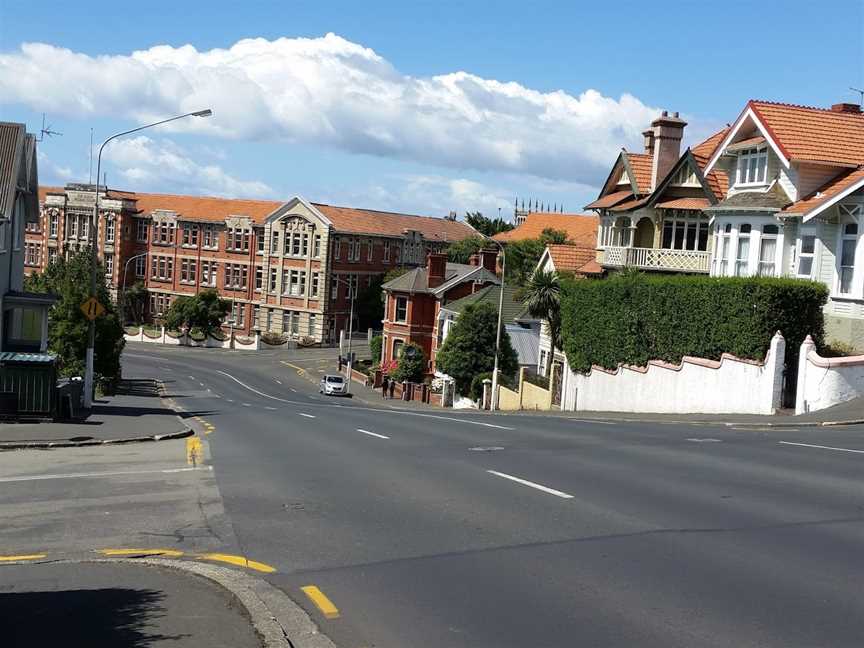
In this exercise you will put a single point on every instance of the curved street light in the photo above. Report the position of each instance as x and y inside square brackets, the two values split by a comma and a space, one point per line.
[94, 229]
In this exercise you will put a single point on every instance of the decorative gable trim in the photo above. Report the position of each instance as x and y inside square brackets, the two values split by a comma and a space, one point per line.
[687, 158]
[283, 209]
[749, 112]
[813, 213]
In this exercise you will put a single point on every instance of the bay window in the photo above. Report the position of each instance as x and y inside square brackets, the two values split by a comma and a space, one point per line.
[767, 250]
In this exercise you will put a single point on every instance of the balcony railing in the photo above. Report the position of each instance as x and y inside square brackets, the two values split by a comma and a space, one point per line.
[657, 259]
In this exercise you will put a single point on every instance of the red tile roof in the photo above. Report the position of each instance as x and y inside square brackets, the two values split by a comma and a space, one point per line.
[574, 258]
[815, 134]
[706, 149]
[609, 199]
[826, 192]
[206, 208]
[630, 204]
[369, 221]
[717, 180]
[581, 228]
[641, 164]
[591, 268]
[685, 203]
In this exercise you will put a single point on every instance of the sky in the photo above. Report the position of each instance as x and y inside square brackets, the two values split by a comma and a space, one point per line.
[418, 107]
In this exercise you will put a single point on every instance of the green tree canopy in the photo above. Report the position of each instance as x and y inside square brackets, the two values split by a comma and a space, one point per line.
[412, 364]
[69, 279]
[205, 311]
[523, 256]
[542, 297]
[461, 251]
[134, 303]
[487, 226]
[469, 349]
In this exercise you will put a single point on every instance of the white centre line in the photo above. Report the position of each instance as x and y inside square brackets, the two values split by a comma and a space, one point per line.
[7, 480]
[306, 415]
[247, 405]
[192, 377]
[272, 409]
[525, 482]
[821, 447]
[375, 434]
[279, 381]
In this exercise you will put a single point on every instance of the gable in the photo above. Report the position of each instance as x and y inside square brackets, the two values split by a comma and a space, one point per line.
[685, 175]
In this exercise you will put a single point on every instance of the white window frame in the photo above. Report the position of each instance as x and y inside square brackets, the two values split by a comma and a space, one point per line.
[761, 266]
[316, 246]
[800, 254]
[386, 251]
[743, 165]
[53, 225]
[110, 229]
[850, 217]
[745, 270]
[140, 266]
[396, 319]
[142, 227]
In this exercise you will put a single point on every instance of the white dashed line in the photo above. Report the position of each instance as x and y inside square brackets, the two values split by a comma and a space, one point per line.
[247, 405]
[374, 434]
[306, 415]
[525, 482]
[272, 409]
[821, 447]
[279, 381]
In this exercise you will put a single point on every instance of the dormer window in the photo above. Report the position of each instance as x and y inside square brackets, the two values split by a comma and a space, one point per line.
[752, 166]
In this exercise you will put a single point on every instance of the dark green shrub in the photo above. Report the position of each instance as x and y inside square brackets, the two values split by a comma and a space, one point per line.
[411, 366]
[633, 318]
[476, 390]
[375, 348]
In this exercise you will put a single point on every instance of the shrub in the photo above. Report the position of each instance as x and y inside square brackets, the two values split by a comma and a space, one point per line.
[273, 339]
[476, 390]
[375, 348]
[410, 367]
[633, 318]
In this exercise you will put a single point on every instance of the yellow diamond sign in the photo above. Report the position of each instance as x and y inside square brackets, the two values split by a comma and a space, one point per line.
[92, 308]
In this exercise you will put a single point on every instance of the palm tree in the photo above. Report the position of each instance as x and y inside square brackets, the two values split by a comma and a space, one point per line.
[542, 297]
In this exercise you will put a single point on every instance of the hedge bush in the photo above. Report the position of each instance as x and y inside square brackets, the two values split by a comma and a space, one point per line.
[633, 318]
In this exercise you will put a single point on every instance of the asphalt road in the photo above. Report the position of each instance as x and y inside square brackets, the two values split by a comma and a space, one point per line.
[472, 530]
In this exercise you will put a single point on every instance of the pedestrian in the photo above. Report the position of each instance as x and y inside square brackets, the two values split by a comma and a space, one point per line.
[391, 387]
[384, 382]
[340, 364]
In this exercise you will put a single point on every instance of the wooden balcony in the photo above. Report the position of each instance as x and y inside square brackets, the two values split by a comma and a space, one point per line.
[657, 259]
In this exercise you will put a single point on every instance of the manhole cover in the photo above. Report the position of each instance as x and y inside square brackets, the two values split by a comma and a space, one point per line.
[486, 448]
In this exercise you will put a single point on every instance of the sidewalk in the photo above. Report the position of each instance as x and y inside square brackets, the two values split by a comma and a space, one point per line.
[136, 412]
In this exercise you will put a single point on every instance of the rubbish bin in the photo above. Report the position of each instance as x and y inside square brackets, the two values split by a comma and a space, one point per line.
[70, 398]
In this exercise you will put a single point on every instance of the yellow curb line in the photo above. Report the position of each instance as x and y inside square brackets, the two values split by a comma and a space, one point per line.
[323, 603]
[23, 557]
[174, 553]
[300, 370]
[240, 561]
[193, 450]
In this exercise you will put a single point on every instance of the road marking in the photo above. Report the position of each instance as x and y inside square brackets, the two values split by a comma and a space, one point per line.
[306, 415]
[173, 553]
[240, 561]
[821, 447]
[593, 421]
[300, 370]
[192, 377]
[200, 383]
[695, 440]
[247, 405]
[525, 482]
[321, 601]
[272, 409]
[230, 400]
[193, 450]
[293, 390]
[7, 480]
[278, 381]
[375, 434]
[23, 557]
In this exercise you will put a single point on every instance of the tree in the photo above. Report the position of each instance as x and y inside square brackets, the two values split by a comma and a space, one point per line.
[523, 256]
[487, 226]
[369, 305]
[69, 280]
[469, 349]
[412, 364]
[375, 346]
[461, 251]
[134, 303]
[205, 311]
[542, 297]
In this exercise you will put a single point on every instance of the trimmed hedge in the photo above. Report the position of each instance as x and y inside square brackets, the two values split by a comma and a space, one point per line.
[632, 318]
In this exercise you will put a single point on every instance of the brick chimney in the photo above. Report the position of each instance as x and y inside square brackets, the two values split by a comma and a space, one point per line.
[851, 108]
[489, 259]
[649, 141]
[436, 269]
[668, 131]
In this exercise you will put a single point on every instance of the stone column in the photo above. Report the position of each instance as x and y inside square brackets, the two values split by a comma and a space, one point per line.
[807, 346]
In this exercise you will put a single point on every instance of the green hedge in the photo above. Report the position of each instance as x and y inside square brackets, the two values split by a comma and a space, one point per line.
[633, 318]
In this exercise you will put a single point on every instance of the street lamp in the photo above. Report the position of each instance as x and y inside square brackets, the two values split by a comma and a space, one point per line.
[122, 295]
[353, 291]
[94, 225]
[493, 403]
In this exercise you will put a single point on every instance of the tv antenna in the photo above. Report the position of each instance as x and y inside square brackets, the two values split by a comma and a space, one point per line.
[46, 130]
[860, 93]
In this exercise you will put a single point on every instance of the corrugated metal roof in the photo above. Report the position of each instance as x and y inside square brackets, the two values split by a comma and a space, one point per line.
[11, 141]
[14, 356]
[526, 343]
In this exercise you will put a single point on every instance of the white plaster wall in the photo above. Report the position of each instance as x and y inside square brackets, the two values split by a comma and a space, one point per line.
[823, 382]
[734, 387]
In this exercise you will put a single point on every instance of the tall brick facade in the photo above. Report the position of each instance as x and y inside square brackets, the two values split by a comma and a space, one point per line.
[287, 267]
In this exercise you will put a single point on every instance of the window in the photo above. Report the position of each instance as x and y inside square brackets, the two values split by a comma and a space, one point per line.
[806, 251]
[295, 242]
[334, 288]
[295, 323]
[109, 229]
[53, 224]
[351, 287]
[163, 233]
[401, 309]
[353, 250]
[752, 166]
[686, 176]
[31, 253]
[32, 226]
[238, 314]
[316, 246]
[238, 239]
[236, 276]
[109, 264]
[161, 268]
[743, 252]
[541, 367]
[369, 250]
[337, 247]
[768, 250]
[313, 324]
[209, 237]
[274, 242]
[140, 266]
[386, 251]
[848, 243]
[304, 245]
[190, 235]
[315, 282]
[52, 255]
[141, 227]
[159, 304]
[259, 241]
[73, 226]
[724, 250]
[685, 230]
[397, 349]
[209, 269]
[84, 227]
[259, 279]
[188, 270]
[295, 284]
[274, 277]
[268, 324]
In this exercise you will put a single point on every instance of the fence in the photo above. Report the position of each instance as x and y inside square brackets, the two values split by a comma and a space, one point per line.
[526, 396]
[164, 336]
[823, 382]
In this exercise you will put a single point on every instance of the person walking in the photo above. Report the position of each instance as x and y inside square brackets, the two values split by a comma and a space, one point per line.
[384, 382]
[391, 387]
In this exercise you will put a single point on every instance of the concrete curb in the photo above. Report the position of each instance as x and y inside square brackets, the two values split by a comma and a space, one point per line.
[276, 618]
[44, 445]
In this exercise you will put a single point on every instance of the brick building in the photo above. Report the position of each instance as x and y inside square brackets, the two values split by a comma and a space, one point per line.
[288, 267]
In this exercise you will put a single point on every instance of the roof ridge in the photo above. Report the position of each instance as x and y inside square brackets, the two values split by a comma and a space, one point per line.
[786, 104]
[376, 211]
[198, 197]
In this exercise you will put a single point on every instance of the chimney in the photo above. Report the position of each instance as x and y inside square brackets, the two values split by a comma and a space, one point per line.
[488, 258]
[649, 141]
[851, 108]
[436, 269]
[668, 132]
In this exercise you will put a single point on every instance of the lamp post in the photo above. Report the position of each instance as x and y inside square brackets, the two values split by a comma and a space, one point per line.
[122, 295]
[94, 231]
[493, 402]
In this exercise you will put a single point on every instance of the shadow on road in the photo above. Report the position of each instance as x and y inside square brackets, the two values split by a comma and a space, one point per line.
[79, 618]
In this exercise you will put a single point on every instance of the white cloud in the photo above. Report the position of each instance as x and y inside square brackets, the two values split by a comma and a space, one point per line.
[54, 173]
[330, 91]
[156, 164]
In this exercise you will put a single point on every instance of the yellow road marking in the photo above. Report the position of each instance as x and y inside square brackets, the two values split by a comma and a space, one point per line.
[324, 604]
[22, 557]
[140, 552]
[300, 370]
[193, 450]
[240, 561]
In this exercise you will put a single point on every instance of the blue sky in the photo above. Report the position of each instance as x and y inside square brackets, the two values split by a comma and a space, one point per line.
[420, 107]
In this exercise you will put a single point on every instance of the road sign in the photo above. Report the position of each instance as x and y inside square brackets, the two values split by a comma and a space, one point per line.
[92, 308]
